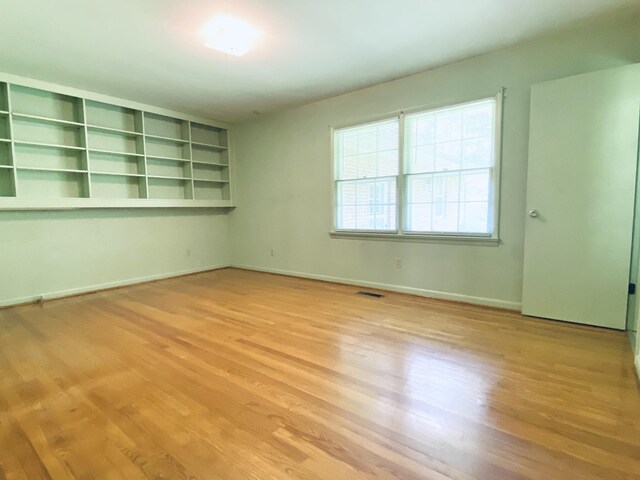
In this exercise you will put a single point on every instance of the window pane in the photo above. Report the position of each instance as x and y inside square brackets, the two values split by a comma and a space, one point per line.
[349, 168]
[367, 204]
[367, 165]
[419, 217]
[367, 146]
[477, 153]
[425, 130]
[346, 218]
[419, 189]
[367, 140]
[474, 217]
[386, 191]
[449, 168]
[365, 192]
[449, 125]
[445, 217]
[475, 186]
[478, 119]
[385, 217]
[387, 135]
[365, 217]
[446, 188]
[388, 163]
[346, 193]
[350, 143]
[448, 156]
[367, 156]
[422, 159]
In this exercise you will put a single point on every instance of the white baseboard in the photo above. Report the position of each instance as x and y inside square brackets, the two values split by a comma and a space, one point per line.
[489, 302]
[95, 288]
[346, 281]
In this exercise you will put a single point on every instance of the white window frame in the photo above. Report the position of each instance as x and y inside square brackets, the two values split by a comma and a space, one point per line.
[401, 235]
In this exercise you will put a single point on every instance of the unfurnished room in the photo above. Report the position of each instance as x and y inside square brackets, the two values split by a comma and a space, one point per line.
[300, 240]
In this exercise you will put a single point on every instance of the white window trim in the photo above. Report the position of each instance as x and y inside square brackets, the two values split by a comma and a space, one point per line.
[492, 239]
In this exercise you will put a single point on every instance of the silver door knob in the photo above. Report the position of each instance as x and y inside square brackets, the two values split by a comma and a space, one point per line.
[533, 213]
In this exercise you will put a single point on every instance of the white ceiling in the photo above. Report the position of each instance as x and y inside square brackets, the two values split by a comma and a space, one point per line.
[151, 51]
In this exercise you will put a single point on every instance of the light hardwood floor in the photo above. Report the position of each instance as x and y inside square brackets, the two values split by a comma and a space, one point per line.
[241, 375]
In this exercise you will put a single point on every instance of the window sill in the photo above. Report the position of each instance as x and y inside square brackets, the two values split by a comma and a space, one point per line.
[397, 237]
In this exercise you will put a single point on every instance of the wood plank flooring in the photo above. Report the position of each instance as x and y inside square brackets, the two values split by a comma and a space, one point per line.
[241, 375]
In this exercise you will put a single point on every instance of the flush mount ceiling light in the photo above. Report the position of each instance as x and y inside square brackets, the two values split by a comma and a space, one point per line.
[230, 35]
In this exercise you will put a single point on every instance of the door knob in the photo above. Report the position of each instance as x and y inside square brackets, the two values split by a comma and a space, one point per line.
[533, 213]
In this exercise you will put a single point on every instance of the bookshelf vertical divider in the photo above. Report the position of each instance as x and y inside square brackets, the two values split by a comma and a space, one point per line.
[87, 159]
[12, 148]
[145, 167]
[60, 148]
[192, 184]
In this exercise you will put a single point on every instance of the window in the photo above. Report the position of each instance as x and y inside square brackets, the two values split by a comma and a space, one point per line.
[441, 178]
[367, 177]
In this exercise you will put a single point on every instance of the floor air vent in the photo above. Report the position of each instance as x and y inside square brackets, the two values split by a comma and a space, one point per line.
[371, 294]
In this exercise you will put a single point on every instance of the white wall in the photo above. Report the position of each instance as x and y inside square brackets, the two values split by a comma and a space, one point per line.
[283, 172]
[64, 252]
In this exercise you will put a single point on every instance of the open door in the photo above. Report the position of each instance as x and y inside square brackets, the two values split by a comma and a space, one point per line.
[580, 197]
[632, 306]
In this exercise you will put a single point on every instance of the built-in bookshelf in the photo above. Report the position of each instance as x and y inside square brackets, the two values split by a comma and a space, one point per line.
[66, 151]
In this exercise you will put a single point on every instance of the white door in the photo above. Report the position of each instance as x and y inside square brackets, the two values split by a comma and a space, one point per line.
[632, 314]
[580, 197]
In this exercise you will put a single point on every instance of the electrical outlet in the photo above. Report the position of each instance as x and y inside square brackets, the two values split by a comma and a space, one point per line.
[398, 263]
[188, 252]
[272, 252]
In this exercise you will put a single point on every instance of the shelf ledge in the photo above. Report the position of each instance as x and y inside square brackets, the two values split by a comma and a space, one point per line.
[114, 130]
[111, 152]
[114, 174]
[209, 146]
[209, 181]
[210, 164]
[47, 145]
[166, 139]
[47, 119]
[44, 169]
[172, 159]
[13, 203]
[163, 177]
